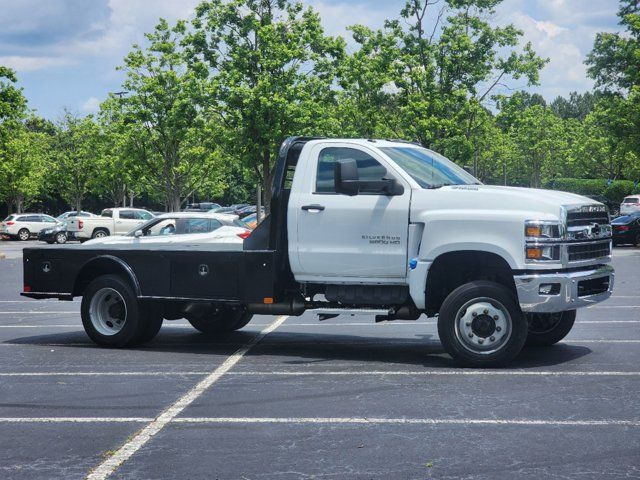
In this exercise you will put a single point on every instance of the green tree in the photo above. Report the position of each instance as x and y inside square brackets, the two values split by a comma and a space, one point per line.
[576, 106]
[13, 104]
[13, 109]
[22, 168]
[541, 145]
[614, 62]
[271, 76]
[442, 78]
[75, 158]
[164, 112]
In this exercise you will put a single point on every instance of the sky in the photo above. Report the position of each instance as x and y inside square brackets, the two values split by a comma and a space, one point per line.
[66, 51]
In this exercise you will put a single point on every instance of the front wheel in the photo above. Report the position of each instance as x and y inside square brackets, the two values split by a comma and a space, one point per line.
[222, 320]
[548, 328]
[481, 325]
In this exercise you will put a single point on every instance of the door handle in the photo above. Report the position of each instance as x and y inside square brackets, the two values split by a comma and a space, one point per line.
[315, 206]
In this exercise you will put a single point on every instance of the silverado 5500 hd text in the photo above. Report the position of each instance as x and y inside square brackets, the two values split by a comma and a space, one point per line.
[360, 226]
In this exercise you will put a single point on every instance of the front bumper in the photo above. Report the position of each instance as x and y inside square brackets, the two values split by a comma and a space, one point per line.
[576, 289]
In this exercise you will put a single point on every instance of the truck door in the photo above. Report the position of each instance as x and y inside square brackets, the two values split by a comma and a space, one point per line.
[363, 236]
[126, 221]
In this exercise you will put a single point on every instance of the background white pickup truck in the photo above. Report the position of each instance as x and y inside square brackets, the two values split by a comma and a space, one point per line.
[112, 221]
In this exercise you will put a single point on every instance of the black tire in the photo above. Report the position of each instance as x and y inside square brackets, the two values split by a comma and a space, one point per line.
[50, 242]
[548, 328]
[124, 306]
[636, 240]
[23, 234]
[500, 323]
[154, 321]
[100, 233]
[61, 238]
[224, 320]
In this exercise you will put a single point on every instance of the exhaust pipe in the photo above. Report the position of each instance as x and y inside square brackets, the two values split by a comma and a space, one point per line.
[295, 307]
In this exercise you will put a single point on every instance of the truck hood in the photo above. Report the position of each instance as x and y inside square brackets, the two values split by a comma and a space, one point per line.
[533, 203]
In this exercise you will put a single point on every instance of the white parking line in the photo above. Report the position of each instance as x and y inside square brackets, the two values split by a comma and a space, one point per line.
[40, 312]
[409, 421]
[74, 419]
[98, 374]
[320, 420]
[28, 301]
[106, 468]
[297, 373]
[604, 307]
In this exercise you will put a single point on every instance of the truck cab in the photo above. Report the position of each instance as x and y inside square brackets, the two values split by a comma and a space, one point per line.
[378, 227]
[111, 221]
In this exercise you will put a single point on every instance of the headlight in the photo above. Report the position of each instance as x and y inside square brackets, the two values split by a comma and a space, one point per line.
[544, 253]
[537, 230]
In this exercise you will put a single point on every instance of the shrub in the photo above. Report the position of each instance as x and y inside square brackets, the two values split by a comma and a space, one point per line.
[594, 186]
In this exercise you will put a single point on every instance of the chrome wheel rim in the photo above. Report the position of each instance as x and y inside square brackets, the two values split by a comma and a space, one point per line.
[61, 238]
[100, 234]
[24, 235]
[108, 311]
[483, 326]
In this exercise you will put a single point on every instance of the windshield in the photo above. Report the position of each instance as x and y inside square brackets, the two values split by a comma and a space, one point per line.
[177, 226]
[624, 219]
[630, 200]
[427, 168]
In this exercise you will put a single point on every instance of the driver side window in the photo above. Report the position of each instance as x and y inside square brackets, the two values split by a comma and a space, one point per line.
[369, 169]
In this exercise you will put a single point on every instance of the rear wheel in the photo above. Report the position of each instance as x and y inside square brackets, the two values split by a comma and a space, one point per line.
[112, 315]
[24, 234]
[100, 233]
[61, 238]
[548, 328]
[221, 320]
[480, 324]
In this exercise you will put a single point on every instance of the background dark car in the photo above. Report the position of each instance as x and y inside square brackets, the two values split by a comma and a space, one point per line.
[55, 234]
[626, 229]
[614, 207]
[201, 207]
[250, 210]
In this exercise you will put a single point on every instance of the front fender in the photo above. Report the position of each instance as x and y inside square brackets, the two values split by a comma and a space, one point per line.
[500, 233]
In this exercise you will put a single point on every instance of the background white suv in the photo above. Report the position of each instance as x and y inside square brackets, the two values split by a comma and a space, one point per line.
[25, 225]
[630, 204]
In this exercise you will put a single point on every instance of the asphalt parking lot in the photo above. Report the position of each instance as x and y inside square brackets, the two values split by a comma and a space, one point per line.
[293, 398]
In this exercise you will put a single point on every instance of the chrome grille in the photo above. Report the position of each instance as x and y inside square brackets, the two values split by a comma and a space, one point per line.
[589, 251]
[579, 218]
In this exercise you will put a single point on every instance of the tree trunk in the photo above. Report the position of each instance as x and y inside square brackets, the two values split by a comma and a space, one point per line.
[174, 202]
[78, 203]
